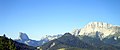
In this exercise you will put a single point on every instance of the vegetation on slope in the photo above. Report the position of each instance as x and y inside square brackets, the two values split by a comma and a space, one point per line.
[9, 44]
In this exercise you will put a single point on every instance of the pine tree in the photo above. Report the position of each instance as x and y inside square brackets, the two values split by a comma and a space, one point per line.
[4, 35]
[6, 44]
[11, 45]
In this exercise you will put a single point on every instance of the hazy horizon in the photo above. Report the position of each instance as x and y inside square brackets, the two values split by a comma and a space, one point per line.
[38, 18]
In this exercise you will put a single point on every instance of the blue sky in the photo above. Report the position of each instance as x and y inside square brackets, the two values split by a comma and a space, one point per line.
[38, 18]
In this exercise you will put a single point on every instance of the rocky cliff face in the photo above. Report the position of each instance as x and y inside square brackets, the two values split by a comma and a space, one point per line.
[97, 28]
[23, 36]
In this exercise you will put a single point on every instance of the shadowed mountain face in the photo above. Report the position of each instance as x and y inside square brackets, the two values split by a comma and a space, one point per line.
[66, 41]
[23, 36]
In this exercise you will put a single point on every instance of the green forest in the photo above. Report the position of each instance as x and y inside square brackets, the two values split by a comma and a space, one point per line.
[6, 44]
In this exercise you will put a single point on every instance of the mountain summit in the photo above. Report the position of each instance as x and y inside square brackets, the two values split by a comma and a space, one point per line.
[23, 36]
[97, 28]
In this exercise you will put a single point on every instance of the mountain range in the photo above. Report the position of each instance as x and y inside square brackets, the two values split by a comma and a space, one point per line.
[94, 36]
[23, 38]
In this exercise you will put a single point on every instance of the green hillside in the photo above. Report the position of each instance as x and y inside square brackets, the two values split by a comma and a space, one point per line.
[9, 44]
